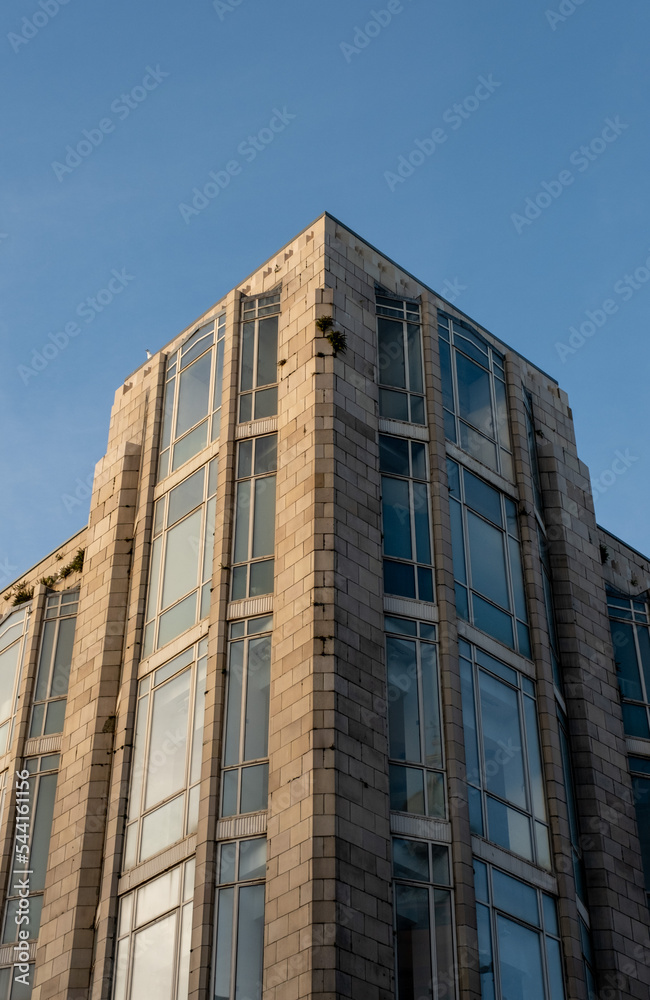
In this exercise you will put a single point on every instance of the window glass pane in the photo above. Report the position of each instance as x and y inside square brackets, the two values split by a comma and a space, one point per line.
[627, 667]
[486, 962]
[254, 788]
[154, 579]
[504, 769]
[644, 645]
[168, 414]
[252, 858]
[184, 956]
[403, 712]
[208, 543]
[242, 521]
[641, 787]
[182, 558]
[469, 721]
[421, 514]
[153, 960]
[417, 409]
[190, 445]
[195, 345]
[233, 711]
[246, 408]
[266, 454]
[487, 560]
[54, 718]
[497, 667]
[267, 351]
[187, 496]
[266, 402]
[635, 721]
[410, 859]
[474, 404]
[193, 394]
[229, 797]
[520, 961]
[418, 455]
[399, 579]
[502, 413]
[63, 657]
[445, 374]
[515, 897]
[415, 357]
[435, 794]
[264, 517]
[218, 377]
[42, 829]
[250, 943]
[440, 864]
[162, 827]
[168, 740]
[393, 455]
[247, 350]
[257, 698]
[177, 620]
[489, 619]
[482, 498]
[138, 758]
[517, 579]
[555, 978]
[392, 370]
[121, 970]
[462, 602]
[457, 542]
[445, 959]
[41, 692]
[431, 708]
[157, 897]
[8, 669]
[36, 727]
[396, 518]
[393, 405]
[475, 444]
[20, 991]
[534, 760]
[223, 952]
[261, 578]
[509, 828]
[413, 942]
[407, 789]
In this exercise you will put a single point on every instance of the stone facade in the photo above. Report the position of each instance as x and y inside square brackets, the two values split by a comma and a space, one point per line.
[329, 928]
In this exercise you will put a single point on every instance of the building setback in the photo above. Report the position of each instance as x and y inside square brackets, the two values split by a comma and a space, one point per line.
[342, 692]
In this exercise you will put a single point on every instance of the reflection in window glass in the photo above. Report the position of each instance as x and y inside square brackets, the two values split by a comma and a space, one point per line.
[259, 358]
[424, 950]
[504, 764]
[518, 938]
[406, 519]
[166, 768]
[474, 395]
[628, 619]
[254, 534]
[239, 923]
[12, 633]
[245, 752]
[32, 839]
[180, 572]
[399, 353]
[414, 728]
[640, 768]
[50, 693]
[193, 387]
[487, 559]
[154, 938]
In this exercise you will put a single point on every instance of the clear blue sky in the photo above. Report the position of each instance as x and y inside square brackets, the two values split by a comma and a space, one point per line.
[218, 75]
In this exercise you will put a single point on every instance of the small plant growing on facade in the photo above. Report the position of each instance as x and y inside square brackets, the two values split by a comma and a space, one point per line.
[336, 338]
[604, 553]
[49, 581]
[19, 593]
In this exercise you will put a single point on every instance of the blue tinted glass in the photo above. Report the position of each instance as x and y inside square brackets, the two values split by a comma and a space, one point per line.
[482, 498]
[393, 455]
[635, 721]
[627, 667]
[399, 579]
[410, 859]
[401, 625]
[425, 585]
[515, 897]
[520, 961]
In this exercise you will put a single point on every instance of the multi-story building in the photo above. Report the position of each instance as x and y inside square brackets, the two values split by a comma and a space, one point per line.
[341, 715]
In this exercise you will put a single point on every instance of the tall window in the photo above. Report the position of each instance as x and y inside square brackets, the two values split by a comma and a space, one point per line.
[181, 558]
[12, 633]
[424, 944]
[34, 812]
[549, 606]
[631, 639]
[502, 749]
[239, 923]
[406, 519]
[259, 358]
[399, 353]
[245, 768]
[254, 535]
[640, 768]
[10, 989]
[520, 957]
[166, 773]
[572, 810]
[50, 693]
[487, 559]
[474, 395]
[154, 938]
[192, 407]
[415, 744]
